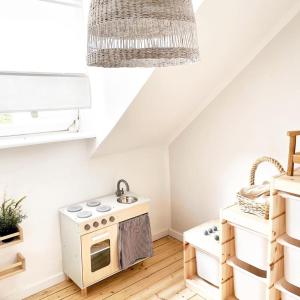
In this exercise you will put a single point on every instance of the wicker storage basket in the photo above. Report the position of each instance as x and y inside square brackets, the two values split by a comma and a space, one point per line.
[253, 206]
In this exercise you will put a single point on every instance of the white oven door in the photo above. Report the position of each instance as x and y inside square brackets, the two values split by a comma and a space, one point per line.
[99, 254]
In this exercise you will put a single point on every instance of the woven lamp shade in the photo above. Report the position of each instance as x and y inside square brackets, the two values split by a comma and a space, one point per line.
[141, 33]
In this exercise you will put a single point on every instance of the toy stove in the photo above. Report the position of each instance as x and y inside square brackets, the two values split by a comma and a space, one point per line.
[89, 232]
[204, 240]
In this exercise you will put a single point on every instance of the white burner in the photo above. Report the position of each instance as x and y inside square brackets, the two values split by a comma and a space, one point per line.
[84, 214]
[93, 203]
[74, 208]
[103, 208]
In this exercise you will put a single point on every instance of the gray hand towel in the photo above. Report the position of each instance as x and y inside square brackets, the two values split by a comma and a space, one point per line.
[135, 240]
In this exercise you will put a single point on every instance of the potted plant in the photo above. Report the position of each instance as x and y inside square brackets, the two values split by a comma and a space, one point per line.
[11, 216]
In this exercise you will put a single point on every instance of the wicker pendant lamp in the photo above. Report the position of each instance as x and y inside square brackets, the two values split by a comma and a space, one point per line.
[141, 33]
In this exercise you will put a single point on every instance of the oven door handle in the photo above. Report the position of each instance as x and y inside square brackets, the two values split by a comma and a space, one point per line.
[100, 237]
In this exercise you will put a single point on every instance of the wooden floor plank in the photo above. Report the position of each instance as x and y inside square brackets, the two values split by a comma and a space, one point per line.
[125, 293]
[164, 240]
[158, 286]
[171, 290]
[183, 295]
[162, 250]
[139, 282]
[155, 297]
[103, 289]
[196, 297]
[129, 278]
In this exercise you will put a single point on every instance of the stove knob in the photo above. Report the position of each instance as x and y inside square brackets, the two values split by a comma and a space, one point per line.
[112, 219]
[103, 221]
[87, 227]
[96, 224]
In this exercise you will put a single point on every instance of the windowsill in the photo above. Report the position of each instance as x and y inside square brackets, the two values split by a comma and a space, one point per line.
[43, 138]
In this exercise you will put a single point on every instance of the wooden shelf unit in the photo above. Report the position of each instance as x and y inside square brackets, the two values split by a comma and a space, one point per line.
[19, 265]
[18, 238]
[272, 229]
[275, 231]
[291, 185]
[15, 268]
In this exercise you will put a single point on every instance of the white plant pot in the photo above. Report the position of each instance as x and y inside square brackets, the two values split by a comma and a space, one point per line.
[291, 259]
[251, 247]
[207, 267]
[292, 207]
[249, 282]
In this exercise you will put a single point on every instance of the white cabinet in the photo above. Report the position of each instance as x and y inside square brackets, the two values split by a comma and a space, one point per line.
[42, 36]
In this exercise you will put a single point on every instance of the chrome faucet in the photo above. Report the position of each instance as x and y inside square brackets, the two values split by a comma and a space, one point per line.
[119, 191]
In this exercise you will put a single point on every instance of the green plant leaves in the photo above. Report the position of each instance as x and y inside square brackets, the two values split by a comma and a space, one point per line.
[10, 215]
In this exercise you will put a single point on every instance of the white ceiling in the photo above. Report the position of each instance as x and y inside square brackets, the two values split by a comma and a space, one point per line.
[231, 33]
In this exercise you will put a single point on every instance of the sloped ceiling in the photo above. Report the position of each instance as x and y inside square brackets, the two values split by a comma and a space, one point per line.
[231, 33]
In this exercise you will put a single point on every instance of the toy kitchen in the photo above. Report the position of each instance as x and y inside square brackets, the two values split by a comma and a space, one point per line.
[103, 236]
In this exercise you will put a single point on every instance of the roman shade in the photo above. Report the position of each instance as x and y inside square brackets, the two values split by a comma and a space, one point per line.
[43, 91]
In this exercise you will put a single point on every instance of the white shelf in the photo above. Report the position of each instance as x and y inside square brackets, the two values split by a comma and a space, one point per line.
[43, 138]
[289, 184]
[234, 215]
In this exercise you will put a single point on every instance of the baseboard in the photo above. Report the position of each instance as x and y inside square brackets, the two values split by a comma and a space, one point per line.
[175, 234]
[37, 287]
[160, 234]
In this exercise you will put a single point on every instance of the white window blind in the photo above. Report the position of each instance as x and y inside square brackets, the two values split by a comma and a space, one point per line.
[43, 91]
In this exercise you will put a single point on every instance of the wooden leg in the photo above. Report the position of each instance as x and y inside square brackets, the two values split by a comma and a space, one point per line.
[292, 150]
[189, 261]
[84, 292]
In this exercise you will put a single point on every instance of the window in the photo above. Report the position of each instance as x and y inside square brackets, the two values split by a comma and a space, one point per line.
[20, 123]
[41, 102]
[44, 86]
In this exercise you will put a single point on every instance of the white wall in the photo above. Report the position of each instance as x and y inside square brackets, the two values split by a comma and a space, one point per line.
[55, 175]
[112, 92]
[230, 34]
[211, 159]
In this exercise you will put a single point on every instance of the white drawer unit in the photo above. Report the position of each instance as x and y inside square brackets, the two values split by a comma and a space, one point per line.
[208, 267]
[251, 247]
[249, 282]
[251, 258]
[292, 208]
[288, 291]
[291, 259]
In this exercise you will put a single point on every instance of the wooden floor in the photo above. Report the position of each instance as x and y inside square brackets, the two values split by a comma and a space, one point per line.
[159, 277]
